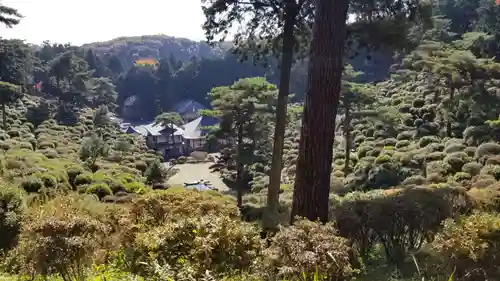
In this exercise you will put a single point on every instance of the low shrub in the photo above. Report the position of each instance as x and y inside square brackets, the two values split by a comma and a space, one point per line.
[99, 189]
[12, 209]
[215, 243]
[470, 245]
[73, 172]
[135, 187]
[49, 181]
[32, 184]
[59, 238]
[157, 207]
[83, 179]
[306, 248]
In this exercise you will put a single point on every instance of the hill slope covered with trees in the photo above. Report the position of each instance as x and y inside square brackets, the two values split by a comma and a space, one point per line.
[414, 189]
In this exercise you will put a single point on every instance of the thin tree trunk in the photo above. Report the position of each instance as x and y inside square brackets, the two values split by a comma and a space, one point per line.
[270, 219]
[314, 165]
[4, 117]
[449, 132]
[347, 134]
[239, 168]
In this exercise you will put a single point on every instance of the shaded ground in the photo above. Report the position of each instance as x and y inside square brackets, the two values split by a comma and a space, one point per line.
[195, 172]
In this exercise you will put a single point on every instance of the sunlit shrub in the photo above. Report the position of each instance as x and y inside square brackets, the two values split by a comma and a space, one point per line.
[307, 247]
[177, 203]
[59, 238]
[99, 189]
[470, 245]
[216, 243]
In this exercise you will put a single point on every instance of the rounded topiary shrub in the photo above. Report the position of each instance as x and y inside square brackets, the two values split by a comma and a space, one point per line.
[49, 181]
[486, 149]
[99, 189]
[456, 160]
[32, 184]
[73, 172]
[472, 168]
[83, 179]
[454, 147]
[141, 166]
[402, 143]
[461, 176]
[415, 180]
[135, 187]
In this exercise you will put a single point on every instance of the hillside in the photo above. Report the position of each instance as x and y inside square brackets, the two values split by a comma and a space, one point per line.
[157, 46]
[374, 65]
[412, 189]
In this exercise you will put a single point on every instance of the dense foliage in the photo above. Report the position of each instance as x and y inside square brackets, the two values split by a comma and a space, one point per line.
[414, 191]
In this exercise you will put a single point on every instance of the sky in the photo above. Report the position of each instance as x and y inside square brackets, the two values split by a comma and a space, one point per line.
[79, 22]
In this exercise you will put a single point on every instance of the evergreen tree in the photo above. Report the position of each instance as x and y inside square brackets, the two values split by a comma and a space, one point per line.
[240, 109]
[274, 28]
[104, 93]
[9, 16]
[164, 85]
[93, 148]
[9, 93]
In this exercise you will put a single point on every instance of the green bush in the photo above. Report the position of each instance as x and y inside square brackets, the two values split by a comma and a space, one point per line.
[456, 161]
[472, 168]
[454, 147]
[415, 216]
[83, 179]
[11, 213]
[73, 172]
[485, 150]
[424, 141]
[382, 159]
[181, 160]
[306, 248]
[471, 245]
[32, 184]
[215, 243]
[402, 143]
[99, 189]
[135, 187]
[141, 166]
[415, 180]
[155, 173]
[461, 176]
[58, 238]
[177, 203]
[49, 181]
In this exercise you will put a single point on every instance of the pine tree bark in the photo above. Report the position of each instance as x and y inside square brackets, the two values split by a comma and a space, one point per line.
[270, 219]
[312, 181]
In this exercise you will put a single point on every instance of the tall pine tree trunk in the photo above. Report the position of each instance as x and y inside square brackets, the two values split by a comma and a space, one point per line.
[314, 166]
[270, 219]
[347, 134]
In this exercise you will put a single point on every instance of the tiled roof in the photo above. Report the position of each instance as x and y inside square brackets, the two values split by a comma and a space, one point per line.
[194, 129]
[153, 130]
[191, 130]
